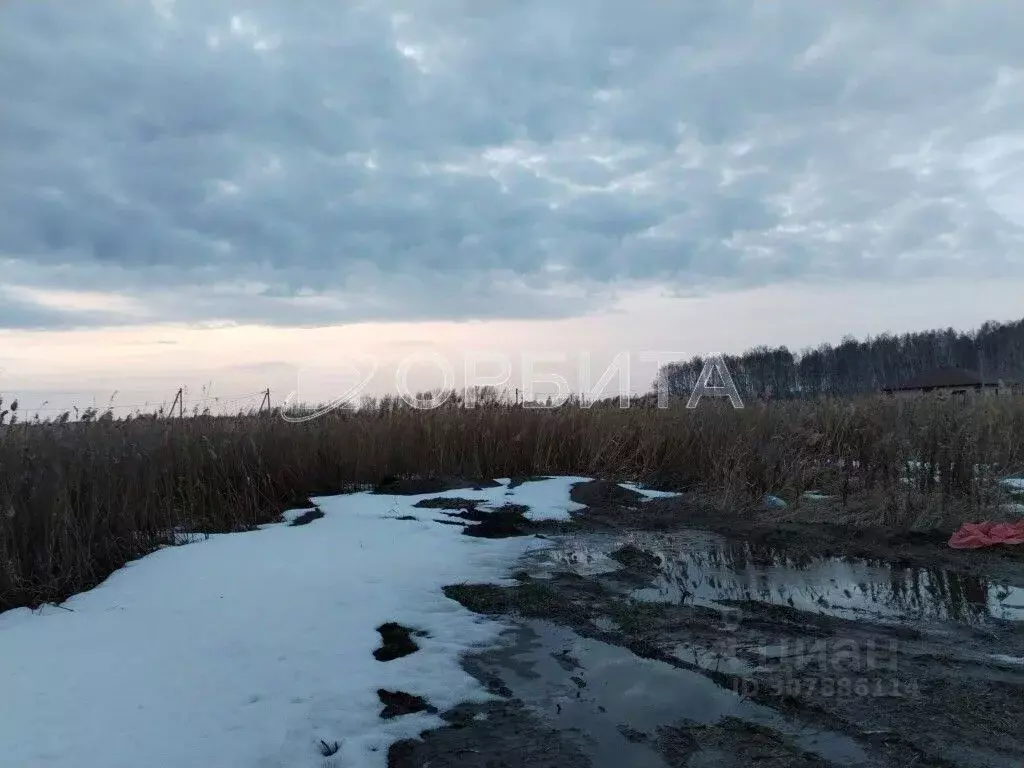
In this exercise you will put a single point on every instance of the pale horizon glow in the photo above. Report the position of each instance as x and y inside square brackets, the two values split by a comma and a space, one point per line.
[147, 364]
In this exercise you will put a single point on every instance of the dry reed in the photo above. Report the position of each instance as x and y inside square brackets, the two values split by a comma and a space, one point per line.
[79, 500]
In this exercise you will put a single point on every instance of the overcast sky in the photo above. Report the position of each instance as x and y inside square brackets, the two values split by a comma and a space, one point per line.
[567, 172]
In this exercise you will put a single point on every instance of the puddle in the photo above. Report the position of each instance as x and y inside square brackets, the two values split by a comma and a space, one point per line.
[712, 659]
[1002, 658]
[704, 568]
[606, 624]
[586, 556]
[613, 702]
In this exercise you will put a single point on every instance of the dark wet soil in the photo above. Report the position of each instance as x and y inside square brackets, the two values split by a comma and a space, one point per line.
[489, 523]
[448, 502]
[500, 734]
[795, 644]
[505, 521]
[516, 480]
[298, 501]
[396, 642]
[732, 743]
[661, 632]
[497, 527]
[898, 698]
[398, 703]
[308, 517]
[414, 486]
[604, 493]
[492, 523]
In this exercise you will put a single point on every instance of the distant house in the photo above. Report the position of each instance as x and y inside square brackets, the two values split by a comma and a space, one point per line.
[950, 382]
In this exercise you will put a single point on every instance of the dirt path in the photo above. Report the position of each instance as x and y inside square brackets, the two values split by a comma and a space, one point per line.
[659, 634]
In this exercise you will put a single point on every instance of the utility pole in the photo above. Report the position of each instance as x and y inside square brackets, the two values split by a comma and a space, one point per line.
[178, 401]
[265, 401]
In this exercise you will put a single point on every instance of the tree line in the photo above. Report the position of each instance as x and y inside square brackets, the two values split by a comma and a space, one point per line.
[855, 367]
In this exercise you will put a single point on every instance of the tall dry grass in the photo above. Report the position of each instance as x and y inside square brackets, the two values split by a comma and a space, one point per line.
[78, 500]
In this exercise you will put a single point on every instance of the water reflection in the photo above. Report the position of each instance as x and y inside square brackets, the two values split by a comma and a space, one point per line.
[705, 568]
[606, 690]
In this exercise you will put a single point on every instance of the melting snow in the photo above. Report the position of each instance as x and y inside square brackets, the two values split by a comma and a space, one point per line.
[547, 499]
[650, 494]
[248, 649]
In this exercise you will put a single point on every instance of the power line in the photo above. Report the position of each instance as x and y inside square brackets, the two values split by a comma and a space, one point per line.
[179, 400]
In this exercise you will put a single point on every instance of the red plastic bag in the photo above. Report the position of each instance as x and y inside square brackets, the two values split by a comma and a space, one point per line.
[986, 534]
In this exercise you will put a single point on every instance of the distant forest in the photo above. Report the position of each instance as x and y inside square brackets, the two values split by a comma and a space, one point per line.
[853, 367]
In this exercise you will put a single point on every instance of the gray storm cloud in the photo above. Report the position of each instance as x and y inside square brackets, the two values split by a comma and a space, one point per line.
[318, 162]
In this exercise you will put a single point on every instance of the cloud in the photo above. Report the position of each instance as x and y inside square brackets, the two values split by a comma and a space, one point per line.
[319, 162]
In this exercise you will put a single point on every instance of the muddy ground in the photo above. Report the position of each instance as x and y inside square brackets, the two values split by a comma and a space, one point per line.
[661, 633]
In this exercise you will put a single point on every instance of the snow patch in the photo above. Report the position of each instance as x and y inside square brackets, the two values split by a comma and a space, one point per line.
[548, 499]
[817, 496]
[650, 494]
[249, 649]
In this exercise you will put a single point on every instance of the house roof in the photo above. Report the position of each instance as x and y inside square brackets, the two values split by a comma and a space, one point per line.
[946, 377]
